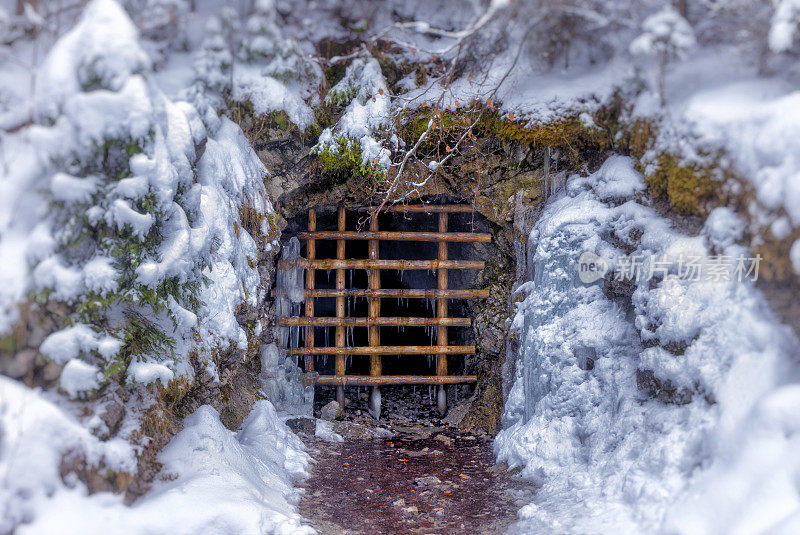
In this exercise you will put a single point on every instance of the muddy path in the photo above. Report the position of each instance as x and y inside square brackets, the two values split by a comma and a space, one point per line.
[424, 479]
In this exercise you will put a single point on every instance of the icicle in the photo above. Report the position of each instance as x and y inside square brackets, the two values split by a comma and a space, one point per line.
[290, 287]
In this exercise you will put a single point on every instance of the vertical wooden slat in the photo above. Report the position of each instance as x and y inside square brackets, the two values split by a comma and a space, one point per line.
[340, 330]
[311, 253]
[441, 312]
[374, 302]
[374, 280]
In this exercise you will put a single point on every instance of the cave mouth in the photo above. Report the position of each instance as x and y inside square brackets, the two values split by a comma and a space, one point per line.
[418, 401]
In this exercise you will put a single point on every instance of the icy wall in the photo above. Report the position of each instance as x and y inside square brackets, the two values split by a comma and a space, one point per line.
[619, 408]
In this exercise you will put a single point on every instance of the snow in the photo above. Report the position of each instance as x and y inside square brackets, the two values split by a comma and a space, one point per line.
[69, 188]
[106, 43]
[79, 377]
[268, 94]
[100, 276]
[665, 32]
[222, 481]
[324, 431]
[149, 372]
[71, 342]
[368, 111]
[607, 457]
[616, 179]
[784, 25]
[35, 435]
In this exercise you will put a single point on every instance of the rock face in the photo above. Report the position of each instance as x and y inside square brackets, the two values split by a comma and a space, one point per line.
[330, 411]
[505, 181]
[303, 426]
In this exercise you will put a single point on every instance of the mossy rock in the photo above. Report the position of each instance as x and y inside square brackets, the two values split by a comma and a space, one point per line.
[343, 162]
[688, 188]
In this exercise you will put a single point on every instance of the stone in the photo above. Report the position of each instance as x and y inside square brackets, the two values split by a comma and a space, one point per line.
[303, 426]
[444, 439]
[427, 481]
[112, 417]
[330, 411]
[36, 334]
[19, 365]
[457, 414]
[51, 371]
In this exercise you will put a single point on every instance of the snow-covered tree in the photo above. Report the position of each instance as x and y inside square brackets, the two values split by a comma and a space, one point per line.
[666, 36]
[122, 239]
[162, 24]
[785, 22]
[248, 60]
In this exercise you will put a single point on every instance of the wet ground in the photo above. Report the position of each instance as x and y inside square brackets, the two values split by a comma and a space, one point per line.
[408, 474]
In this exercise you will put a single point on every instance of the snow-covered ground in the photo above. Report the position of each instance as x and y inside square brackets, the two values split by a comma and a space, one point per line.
[214, 480]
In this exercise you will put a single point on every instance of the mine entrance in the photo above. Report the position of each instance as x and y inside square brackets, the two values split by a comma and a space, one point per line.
[384, 297]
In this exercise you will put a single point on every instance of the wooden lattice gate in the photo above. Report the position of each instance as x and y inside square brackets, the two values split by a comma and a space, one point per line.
[374, 294]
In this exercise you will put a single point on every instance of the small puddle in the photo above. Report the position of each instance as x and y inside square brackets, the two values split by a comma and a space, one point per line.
[423, 480]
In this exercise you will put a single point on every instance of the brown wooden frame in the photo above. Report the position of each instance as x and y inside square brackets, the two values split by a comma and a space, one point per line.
[375, 293]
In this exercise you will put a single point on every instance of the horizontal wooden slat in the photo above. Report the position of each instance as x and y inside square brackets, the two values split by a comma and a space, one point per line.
[396, 236]
[323, 321]
[400, 293]
[360, 380]
[384, 350]
[380, 264]
[426, 208]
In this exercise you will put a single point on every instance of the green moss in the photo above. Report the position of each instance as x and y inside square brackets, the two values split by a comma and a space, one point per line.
[8, 344]
[688, 188]
[578, 143]
[343, 161]
[394, 72]
[335, 73]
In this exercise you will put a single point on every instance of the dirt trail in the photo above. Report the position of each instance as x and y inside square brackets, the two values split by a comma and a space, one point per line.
[425, 479]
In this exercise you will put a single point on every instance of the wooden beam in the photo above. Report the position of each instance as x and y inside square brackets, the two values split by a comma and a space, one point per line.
[441, 314]
[341, 321]
[424, 208]
[361, 380]
[383, 350]
[311, 252]
[396, 236]
[340, 329]
[399, 293]
[380, 264]
[374, 281]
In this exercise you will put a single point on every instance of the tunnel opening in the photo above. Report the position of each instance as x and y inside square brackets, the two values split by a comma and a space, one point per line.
[417, 301]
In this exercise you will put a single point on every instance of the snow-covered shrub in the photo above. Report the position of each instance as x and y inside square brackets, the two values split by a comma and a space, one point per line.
[666, 37]
[365, 128]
